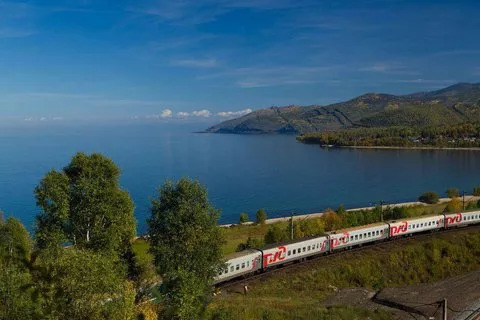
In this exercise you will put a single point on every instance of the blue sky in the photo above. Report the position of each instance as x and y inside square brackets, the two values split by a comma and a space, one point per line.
[214, 59]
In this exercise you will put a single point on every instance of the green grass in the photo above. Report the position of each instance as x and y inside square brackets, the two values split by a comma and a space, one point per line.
[298, 294]
[308, 312]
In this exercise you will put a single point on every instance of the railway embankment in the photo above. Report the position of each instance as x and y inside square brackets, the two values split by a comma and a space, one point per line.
[413, 273]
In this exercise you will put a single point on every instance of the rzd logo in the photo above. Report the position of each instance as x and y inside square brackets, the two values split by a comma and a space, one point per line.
[342, 240]
[399, 229]
[270, 258]
[453, 220]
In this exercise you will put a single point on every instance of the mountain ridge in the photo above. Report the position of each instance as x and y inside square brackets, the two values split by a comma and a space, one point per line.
[451, 105]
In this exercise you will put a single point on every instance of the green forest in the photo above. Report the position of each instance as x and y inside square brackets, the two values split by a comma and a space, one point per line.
[465, 135]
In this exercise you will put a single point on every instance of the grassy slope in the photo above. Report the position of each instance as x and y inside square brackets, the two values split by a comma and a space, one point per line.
[298, 294]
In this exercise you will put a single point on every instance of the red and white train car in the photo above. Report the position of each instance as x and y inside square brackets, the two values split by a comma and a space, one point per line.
[291, 251]
[414, 225]
[464, 218]
[240, 263]
[358, 235]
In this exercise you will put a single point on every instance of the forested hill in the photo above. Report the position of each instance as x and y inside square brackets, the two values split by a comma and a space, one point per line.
[451, 105]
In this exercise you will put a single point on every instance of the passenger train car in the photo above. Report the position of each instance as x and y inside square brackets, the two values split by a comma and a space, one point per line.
[251, 261]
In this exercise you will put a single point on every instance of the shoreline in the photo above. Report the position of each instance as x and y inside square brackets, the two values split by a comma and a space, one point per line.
[409, 148]
[319, 214]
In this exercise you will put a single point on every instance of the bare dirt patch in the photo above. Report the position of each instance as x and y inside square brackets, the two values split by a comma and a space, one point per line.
[421, 301]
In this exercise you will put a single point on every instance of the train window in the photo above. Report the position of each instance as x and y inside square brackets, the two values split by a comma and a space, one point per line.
[356, 237]
[243, 265]
[231, 269]
[464, 218]
[369, 234]
[318, 245]
[365, 235]
[304, 249]
[294, 251]
[378, 233]
[248, 263]
[289, 252]
[351, 238]
[417, 225]
[308, 248]
[360, 236]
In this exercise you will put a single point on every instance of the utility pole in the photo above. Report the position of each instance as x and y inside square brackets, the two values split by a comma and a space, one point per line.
[291, 226]
[381, 210]
[464, 200]
[445, 309]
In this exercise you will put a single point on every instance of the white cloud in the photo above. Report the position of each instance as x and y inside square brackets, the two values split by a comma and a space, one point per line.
[182, 114]
[43, 119]
[227, 114]
[167, 113]
[57, 118]
[388, 67]
[202, 113]
[196, 63]
[427, 81]
[28, 119]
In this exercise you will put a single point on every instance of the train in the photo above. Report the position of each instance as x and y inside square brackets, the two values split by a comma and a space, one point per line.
[253, 261]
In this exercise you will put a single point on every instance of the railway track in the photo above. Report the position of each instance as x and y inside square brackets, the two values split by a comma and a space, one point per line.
[310, 260]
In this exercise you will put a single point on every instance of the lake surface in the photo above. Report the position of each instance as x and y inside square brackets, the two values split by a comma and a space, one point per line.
[241, 172]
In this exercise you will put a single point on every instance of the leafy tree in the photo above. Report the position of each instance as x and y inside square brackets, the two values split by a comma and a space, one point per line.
[261, 216]
[16, 291]
[243, 217]
[84, 205]
[276, 234]
[341, 210]
[15, 242]
[332, 221]
[187, 246]
[81, 284]
[476, 191]
[308, 227]
[250, 244]
[455, 205]
[452, 193]
[429, 197]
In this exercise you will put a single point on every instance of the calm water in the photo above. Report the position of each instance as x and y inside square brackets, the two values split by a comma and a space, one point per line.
[242, 172]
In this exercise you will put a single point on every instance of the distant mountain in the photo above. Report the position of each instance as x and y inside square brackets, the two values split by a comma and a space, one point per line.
[451, 105]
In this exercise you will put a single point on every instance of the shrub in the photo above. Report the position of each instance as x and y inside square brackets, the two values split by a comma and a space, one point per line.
[251, 243]
[454, 205]
[332, 221]
[243, 217]
[276, 234]
[452, 193]
[341, 210]
[476, 191]
[399, 213]
[261, 216]
[429, 197]
[471, 206]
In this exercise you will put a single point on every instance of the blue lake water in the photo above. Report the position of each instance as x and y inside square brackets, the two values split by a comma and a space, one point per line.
[241, 172]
